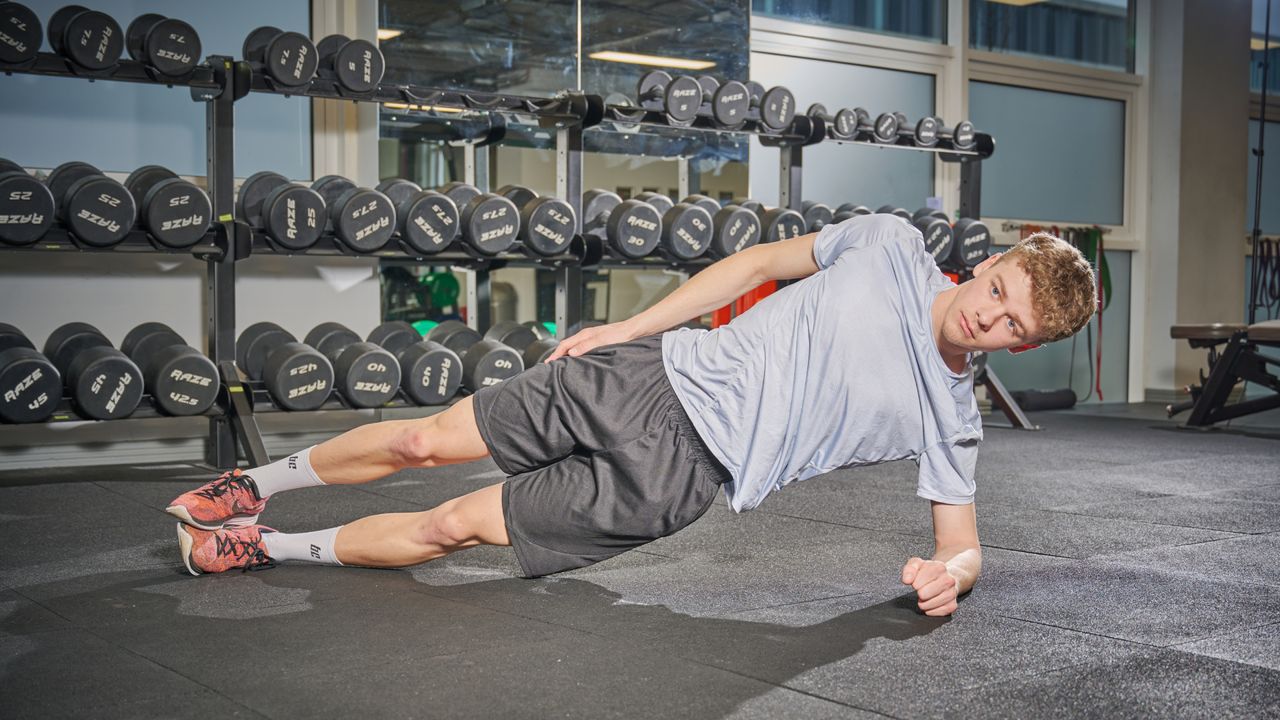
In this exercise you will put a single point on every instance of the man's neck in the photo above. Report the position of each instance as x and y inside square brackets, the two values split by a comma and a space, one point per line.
[955, 358]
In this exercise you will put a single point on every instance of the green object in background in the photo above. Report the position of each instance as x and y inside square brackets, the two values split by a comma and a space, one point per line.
[551, 328]
[444, 289]
[424, 326]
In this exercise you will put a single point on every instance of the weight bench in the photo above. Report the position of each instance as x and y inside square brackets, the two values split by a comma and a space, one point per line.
[1242, 359]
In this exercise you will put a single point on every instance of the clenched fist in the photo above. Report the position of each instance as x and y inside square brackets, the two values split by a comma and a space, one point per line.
[936, 589]
[584, 341]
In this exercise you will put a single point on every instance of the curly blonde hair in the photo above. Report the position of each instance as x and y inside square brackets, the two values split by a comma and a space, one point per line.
[1063, 288]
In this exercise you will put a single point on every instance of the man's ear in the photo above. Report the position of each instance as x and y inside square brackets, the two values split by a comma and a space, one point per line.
[982, 266]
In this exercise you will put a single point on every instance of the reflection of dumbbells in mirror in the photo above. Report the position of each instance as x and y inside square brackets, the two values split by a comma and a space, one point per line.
[180, 379]
[30, 385]
[924, 133]
[842, 126]
[686, 227]
[289, 215]
[484, 362]
[174, 212]
[930, 130]
[726, 103]
[776, 107]
[627, 229]
[287, 58]
[364, 373]
[357, 65]
[362, 219]
[490, 223]
[97, 210]
[90, 39]
[547, 224]
[297, 376]
[733, 228]
[430, 373]
[679, 98]
[884, 129]
[26, 206]
[170, 47]
[22, 34]
[104, 383]
[426, 220]
[533, 346]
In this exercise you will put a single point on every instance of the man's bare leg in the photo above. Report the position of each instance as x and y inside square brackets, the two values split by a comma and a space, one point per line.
[403, 539]
[374, 451]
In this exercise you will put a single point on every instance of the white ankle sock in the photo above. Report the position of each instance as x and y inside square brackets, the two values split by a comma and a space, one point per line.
[285, 474]
[313, 547]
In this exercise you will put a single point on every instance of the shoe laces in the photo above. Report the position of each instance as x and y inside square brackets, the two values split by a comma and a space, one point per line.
[227, 482]
[251, 551]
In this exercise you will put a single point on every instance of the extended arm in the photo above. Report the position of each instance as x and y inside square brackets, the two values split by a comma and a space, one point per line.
[956, 562]
[712, 288]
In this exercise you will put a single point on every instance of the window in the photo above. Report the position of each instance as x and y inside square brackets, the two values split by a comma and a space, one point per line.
[1262, 47]
[920, 19]
[1059, 157]
[1270, 219]
[1098, 32]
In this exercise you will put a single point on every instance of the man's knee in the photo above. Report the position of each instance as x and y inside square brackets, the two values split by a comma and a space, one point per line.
[446, 527]
[415, 442]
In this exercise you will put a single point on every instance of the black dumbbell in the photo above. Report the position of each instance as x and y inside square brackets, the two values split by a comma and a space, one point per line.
[21, 31]
[30, 385]
[365, 374]
[288, 58]
[926, 129]
[426, 220]
[96, 209]
[884, 129]
[686, 227]
[893, 210]
[180, 379]
[539, 330]
[490, 222]
[816, 215]
[297, 376]
[104, 383]
[356, 65]
[754, 206]
[776, 107]
[679, 98]
[291, 216]
[780, 224]
[430, 373]
[525, 339]
[843, 125]
[171, 47]
[727, 103]
[547, 224]
[849, 210]
[174, 212]
[484, 362]
[962, 136]
[362, 219]
[972, 243]
[629, 229]
[26, 206]
[88, 38]
[733, 228]
[935, 226]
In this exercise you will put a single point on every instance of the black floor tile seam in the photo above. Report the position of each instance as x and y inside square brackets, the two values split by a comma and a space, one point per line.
[1006, 506]
[801, 602]
[1225, 633]
[1126, 641]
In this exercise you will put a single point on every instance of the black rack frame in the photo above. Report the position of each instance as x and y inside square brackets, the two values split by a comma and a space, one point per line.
[222, 80]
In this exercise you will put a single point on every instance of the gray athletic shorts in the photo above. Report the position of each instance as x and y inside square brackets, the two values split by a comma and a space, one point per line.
[602, 457]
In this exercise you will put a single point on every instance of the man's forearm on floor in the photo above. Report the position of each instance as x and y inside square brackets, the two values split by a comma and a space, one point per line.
[963, 563]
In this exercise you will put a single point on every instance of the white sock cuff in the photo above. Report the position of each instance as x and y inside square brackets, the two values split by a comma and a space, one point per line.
[289, 473]
[312, 547]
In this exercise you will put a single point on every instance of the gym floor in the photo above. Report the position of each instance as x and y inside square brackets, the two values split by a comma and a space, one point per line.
[1131, 569]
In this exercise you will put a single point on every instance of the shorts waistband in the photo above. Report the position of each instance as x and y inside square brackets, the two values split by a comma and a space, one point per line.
[715, 471]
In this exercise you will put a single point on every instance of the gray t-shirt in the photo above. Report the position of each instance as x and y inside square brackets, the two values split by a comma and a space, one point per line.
[838, 369]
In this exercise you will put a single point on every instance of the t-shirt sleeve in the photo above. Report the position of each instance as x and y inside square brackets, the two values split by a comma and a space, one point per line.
[947, 471]
[856, 233]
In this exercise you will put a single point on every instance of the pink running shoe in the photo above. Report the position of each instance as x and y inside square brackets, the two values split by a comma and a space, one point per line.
[225, 549]
[231, 500]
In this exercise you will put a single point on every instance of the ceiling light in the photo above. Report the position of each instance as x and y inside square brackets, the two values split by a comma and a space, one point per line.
[1257, 44]
[385, 34]
[656, 60]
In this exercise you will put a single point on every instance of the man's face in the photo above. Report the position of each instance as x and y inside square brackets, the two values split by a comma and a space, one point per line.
[993, 310]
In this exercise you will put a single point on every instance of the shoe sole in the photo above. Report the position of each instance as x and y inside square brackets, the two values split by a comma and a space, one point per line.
[186, 543]
[182, 513]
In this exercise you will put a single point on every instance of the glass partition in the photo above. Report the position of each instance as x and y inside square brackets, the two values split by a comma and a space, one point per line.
[917, 19]
[1098, 33]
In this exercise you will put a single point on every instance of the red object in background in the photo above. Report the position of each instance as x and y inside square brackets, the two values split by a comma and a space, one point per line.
[725, 314]
[955, 277]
